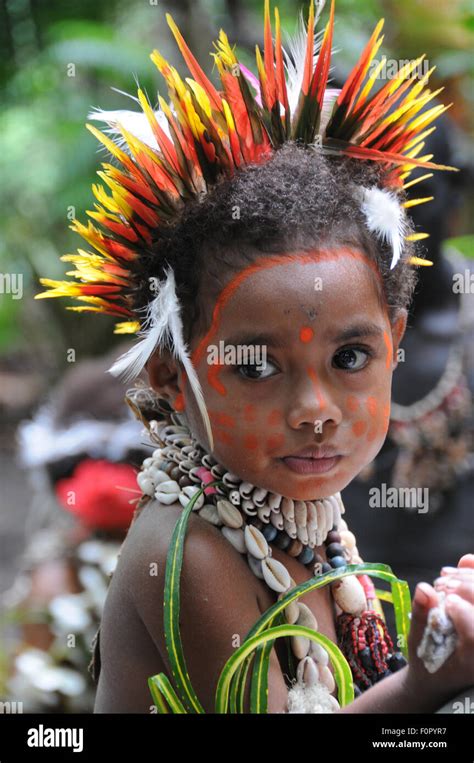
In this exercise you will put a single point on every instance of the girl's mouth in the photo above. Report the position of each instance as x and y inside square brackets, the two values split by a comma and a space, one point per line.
[305, 465]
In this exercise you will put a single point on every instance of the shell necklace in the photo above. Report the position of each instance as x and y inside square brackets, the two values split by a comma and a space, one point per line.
[252, 519]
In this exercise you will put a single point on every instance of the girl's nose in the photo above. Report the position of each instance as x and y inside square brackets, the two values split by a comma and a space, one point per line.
[312, 403]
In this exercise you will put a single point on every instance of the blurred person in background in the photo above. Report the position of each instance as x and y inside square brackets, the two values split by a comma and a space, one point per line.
[79, 454]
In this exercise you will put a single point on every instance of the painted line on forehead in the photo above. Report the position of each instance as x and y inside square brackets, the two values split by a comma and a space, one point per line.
[265, 263]
[313, 376]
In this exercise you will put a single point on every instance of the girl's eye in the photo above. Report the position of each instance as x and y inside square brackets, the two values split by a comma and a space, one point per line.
[351, 359]
[260, 371]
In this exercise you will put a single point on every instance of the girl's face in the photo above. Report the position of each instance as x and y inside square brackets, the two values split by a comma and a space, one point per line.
[299, 398]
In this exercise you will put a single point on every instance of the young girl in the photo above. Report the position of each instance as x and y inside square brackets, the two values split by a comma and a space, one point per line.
[260, 235]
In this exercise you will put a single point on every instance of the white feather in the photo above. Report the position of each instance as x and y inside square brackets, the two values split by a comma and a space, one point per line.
[134, 122]
[295, 57]
[163, 327]
[385, 218]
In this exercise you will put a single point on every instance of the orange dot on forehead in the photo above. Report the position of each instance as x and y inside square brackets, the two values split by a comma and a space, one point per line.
[306, 334]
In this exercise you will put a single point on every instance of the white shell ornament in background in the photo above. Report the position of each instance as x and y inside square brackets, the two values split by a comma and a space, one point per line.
[349, 594]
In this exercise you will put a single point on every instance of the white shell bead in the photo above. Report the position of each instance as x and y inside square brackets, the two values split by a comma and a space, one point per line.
[234, 497]
[168, 492]
[248, 507]
[300, 514]
[288, 509]
[300, 646]
[255, 542]
[329, 515]
[210, 514]
[255, 565]
[302, 535]
[290, 528]
[276, 575]
[229, 514]
[236, 537]
[307, 672]
[277, 521]
[327, 678]
[145, 483]
[189, 492]
[246, 489]
[274, 501]
[319, 653]
[348, 539]
[157, 475]
[349, 595]
[263, 513]
[306, 617]
[258, 497]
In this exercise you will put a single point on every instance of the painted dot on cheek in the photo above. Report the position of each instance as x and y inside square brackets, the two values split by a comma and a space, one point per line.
[222, 419]
[359, 428]
[250, 442]
[352, 403]
[223, 437]
[306, 334]
[274, 418]
[372, 406]
[249, 413]
[275, 441]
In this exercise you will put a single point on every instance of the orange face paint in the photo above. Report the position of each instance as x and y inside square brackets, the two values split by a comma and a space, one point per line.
[388, 344]
[312, 375]
[352, 403]
[275, 441]
[306, 334]
[250, 442]
[213, 378]
[359, 427]
[371, 404]
[223, 437]
[274, 418]
[222, 419]
[249, 413]
[179, 404]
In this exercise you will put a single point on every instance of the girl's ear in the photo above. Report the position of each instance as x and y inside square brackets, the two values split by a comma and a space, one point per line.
[399, 324]
[164, 374]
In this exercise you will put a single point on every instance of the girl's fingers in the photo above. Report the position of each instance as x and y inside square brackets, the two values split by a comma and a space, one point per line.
[462, 615]
[466, 561]
[459, 571]
[463, 587]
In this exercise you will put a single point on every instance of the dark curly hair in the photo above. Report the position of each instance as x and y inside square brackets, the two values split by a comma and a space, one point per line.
[300, 199]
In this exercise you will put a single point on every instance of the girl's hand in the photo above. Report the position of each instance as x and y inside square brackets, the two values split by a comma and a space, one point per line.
[457, 673]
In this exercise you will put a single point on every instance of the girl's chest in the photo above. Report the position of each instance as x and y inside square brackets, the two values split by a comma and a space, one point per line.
[319, 601]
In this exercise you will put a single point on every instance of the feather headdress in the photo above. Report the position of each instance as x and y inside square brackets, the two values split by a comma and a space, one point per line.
[177, 151]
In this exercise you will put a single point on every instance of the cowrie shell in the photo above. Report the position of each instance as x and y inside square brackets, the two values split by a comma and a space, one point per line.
[263, 513]
[217, 471]
[290, 528]
[236, 537]
[258, 497]
[276, 575]
[229, 514]
[277, 521]
[157, 475]
[145, 484]
[208, 461]
[329, 514]
[302, 535]
[229, 479]
[189, 492]
[255, 542]
[336, 512]
[306, 617]
[186, 466]
[300, 514]
[255, 565]
[274, 501]
[288, 509]
[348, 539]
[245, 489]
[307, 672]
[248, 507]
[210, 514]
[327, 678]
[321, 523]
[291, 611]
[168, 492]
[300, 646]
[318, 653]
